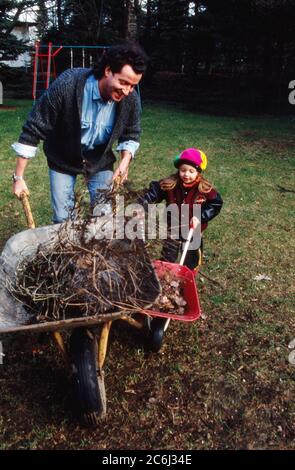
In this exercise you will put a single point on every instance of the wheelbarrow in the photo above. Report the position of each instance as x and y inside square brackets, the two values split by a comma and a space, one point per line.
[192, 311]
[86, 352]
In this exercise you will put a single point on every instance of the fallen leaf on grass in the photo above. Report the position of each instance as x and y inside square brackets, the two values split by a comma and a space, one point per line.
[291, 358]
[262, 277]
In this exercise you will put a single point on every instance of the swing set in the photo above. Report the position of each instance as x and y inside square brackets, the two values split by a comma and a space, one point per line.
[45, 67]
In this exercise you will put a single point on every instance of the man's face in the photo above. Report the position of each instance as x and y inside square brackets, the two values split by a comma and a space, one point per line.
[115, 86]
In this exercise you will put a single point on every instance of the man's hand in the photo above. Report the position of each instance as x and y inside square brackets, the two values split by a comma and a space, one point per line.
[20, 187]
[122, 170]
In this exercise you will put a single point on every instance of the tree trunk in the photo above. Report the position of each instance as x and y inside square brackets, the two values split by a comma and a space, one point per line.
[59, 15]
[100, 13]
[130, 21]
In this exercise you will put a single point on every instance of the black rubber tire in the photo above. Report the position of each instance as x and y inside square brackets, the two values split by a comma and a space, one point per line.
[156, 334]
[89, 398]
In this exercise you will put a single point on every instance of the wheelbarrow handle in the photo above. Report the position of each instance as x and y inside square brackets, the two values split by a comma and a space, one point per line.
[27, 209]
[117, 182]
[190, 235]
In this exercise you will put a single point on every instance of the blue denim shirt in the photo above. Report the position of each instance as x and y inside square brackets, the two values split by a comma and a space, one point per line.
[97, 123]
[98, 119]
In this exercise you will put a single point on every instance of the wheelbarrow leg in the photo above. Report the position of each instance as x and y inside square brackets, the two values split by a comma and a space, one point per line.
[58, 339]
[137, 324]
[103, 344]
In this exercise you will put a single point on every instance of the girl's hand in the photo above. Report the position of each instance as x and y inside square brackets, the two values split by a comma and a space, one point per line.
[194, 222]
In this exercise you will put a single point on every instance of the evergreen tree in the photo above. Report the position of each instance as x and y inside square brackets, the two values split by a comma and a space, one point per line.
[91, 22]
[166, 28]
[10, 11]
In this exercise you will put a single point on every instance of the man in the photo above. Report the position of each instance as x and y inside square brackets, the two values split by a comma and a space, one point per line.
[79, 117]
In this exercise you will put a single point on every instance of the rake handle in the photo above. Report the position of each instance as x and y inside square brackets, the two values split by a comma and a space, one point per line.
[190, 234]
[27, 210]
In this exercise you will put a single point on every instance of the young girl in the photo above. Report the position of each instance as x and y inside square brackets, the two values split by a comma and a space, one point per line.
[187, 186]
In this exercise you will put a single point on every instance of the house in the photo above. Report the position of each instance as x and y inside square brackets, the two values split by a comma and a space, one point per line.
[26, 31]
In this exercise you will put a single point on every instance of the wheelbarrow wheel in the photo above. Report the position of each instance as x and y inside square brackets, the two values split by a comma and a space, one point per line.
[156, 334]
[88, 388]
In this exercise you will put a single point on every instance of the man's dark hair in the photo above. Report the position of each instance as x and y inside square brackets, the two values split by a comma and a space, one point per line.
[116, 57]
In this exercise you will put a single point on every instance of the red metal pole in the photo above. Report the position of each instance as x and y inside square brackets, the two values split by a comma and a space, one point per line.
[57, 51]
[53, 60]
[36, 60]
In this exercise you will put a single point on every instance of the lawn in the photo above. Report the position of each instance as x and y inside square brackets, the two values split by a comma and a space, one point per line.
[223, 382]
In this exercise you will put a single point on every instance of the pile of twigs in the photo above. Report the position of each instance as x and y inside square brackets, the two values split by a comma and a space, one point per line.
[75, 277]
[85, 280]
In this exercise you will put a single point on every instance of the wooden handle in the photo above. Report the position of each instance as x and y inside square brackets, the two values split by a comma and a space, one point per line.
[117, 182]
[27, 210]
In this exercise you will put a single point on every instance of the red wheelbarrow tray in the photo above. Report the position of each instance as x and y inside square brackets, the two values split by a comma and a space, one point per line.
[187, 277]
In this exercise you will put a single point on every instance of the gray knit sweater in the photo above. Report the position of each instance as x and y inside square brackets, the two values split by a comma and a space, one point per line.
[56, 119]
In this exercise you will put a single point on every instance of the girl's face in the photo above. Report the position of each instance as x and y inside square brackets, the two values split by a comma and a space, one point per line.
[187, 173]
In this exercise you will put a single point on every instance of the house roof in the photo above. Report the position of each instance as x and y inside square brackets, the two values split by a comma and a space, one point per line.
[25, 23]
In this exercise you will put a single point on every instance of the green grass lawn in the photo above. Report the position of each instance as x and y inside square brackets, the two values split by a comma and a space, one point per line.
[222, 382]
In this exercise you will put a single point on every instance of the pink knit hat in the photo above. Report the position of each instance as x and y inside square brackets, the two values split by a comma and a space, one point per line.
[193, 157]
